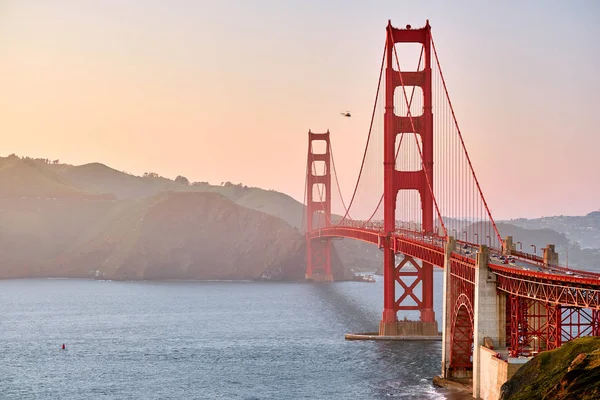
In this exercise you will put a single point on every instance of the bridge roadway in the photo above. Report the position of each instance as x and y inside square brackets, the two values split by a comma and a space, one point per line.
[520, 274]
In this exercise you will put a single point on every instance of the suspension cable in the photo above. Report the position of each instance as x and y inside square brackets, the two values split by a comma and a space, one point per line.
[418, 145]
[412, 94]
[463, 143]
[314, 168]
[337, 183]
[368, 137]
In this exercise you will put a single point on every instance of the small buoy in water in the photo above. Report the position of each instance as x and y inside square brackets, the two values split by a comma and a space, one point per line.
[63, 346]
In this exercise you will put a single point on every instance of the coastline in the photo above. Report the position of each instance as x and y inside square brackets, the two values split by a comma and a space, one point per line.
[454, 389]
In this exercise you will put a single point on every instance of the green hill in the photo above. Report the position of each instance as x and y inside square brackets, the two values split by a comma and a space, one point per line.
[32, 178]
[569, 372]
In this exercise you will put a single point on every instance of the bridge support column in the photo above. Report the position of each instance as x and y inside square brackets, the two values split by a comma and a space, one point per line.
[447, 309]
[318, 266]
[318, 207]
[490, 314]
[389, 319]
[550, 256]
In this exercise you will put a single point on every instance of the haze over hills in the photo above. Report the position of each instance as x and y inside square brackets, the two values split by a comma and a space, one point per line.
[582, 229]
[92, 220]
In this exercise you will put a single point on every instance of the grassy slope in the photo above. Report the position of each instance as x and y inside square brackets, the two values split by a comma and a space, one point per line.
[30, 178]
[559, 374]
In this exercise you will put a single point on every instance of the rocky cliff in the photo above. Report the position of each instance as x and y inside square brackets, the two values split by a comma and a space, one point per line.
[569, 372]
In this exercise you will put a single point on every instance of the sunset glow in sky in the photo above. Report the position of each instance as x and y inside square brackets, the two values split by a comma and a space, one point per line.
[226, 90]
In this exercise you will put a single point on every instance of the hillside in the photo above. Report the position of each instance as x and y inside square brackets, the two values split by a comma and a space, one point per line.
[58, 220]
[569, 372]
[48, 208]
[187, 236]
[99, 178]
[538, 237]
[577, 257]
[582, 229]
[34, 230]
[31, 178]
[171, 235]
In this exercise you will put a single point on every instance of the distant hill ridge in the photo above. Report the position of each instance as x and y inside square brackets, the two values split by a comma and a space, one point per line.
[27, 184]
[92, 220]
[32, 178]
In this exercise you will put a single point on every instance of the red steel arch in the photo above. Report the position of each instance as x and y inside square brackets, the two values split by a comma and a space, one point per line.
[461, 341]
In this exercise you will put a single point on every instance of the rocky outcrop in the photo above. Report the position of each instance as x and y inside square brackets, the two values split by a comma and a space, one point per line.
[569, 372]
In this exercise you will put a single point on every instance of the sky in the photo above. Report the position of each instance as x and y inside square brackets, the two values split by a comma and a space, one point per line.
[227, 90]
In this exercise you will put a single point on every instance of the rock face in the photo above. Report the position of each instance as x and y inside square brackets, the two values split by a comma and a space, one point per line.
[570, 372]
[179, 235]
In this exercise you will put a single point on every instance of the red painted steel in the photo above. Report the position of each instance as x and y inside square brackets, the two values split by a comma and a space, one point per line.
[318, 253]
[395, 180]
[553, 335]
[543, 309]
[550, 288]
[461, 339]
[518, 325]
[577, 322]
[462, 290]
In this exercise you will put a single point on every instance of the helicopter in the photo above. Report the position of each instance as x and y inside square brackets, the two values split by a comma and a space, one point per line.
[346, 114]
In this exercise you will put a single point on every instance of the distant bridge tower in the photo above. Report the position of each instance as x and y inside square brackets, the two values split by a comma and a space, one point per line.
[395, 180]
[318, 208]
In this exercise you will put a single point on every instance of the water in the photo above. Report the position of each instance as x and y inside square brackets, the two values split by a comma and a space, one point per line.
[204, 340]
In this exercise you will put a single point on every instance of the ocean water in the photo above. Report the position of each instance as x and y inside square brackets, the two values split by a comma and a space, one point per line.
[204, 340]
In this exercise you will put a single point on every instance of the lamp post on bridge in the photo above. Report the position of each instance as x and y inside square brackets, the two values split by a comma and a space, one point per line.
[489, 241]
[534, 248]
[520, 245]
[477, 235]
[465, 232]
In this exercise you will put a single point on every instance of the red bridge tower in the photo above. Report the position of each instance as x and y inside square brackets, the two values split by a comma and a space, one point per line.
[394, 181]
[318, 208]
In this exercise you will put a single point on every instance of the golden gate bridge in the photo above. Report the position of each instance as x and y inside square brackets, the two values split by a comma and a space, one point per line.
[428, 208]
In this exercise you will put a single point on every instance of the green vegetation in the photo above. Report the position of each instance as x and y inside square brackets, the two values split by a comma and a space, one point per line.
[570, 372]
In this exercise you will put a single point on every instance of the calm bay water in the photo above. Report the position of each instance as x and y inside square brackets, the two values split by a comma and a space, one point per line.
[204, 340]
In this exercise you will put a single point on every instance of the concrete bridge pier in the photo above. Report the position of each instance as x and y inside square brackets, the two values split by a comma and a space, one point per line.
[447, 310]
[492, 365]
[489, 329]
[489, 323]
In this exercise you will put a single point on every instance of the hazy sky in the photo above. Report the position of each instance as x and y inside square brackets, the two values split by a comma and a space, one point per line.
[226, 90]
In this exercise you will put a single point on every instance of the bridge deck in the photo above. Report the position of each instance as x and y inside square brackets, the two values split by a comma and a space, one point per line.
[526, 275]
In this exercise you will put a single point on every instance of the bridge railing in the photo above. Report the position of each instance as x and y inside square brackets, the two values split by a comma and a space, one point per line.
[438, 240]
